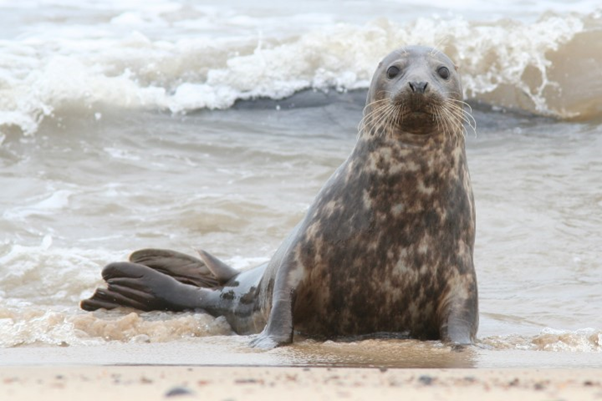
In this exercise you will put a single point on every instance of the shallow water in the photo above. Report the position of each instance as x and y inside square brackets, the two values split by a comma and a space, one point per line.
[210, 180]
[89, 177]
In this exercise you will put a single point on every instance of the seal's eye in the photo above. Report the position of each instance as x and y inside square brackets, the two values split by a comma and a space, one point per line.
[443, 72]
[392, 72]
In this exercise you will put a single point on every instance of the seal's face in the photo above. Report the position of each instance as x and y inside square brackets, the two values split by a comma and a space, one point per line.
[415, 90]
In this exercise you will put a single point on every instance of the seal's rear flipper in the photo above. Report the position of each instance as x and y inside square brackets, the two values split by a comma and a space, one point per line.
[220, 270]
[141, 287]
[159, 279]
[209, 272]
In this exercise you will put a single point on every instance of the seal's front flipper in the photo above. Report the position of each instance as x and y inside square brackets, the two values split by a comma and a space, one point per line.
[272, 338]
[460, 315]
[138, 286]
[279, 328]
[209, 272]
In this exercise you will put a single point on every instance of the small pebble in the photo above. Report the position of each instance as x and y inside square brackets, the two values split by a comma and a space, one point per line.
[539, 386]
[178, 391]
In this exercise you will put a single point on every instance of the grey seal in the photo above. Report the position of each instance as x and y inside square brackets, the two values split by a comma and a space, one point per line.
[386, 247]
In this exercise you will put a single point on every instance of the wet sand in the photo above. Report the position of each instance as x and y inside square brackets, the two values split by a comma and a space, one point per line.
[224, 351]
[261, 383]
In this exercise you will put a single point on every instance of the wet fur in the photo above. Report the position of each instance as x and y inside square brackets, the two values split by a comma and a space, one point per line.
[387, 245]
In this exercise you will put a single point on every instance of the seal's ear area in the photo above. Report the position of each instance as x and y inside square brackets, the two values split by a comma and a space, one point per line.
[456, 67]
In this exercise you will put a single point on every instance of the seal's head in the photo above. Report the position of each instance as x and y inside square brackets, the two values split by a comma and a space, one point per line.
[415, 90]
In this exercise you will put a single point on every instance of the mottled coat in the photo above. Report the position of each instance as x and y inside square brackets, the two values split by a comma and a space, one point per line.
[387, 245]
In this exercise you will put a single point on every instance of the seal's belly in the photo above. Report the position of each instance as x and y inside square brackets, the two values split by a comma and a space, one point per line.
[367, 299]
[381, 244]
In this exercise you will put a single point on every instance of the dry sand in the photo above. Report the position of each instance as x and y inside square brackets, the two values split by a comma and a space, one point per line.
[263, 383]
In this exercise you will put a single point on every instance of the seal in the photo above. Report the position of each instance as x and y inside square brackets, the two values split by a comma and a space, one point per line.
[386, 247]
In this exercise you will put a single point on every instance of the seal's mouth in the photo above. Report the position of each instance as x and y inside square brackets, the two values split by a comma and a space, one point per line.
[416, 110]
[415, 114]
[416, 104]
[415, 121]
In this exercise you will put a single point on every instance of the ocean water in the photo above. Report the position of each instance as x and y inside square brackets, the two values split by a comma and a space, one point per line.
[183, 125]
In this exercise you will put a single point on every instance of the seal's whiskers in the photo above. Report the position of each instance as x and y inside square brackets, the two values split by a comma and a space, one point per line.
[467, 116]
[377, 118]
[376, 109]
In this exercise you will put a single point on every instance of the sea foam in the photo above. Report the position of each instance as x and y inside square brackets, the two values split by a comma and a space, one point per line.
[507, 63]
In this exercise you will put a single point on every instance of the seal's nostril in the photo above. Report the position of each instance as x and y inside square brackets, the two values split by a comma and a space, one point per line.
[418, 87]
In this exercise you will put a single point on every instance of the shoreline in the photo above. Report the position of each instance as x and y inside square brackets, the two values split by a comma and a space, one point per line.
[233, 351]
[151, 382]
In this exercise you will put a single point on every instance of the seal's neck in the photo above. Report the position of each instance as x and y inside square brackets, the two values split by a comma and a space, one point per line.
[401, 154]
[433, 140]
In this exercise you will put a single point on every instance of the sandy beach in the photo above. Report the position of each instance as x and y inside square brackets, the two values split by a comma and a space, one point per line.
[261, 383]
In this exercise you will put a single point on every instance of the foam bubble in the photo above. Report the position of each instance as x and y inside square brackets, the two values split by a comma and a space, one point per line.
[49, 204]
[35, 326]
[583, 340]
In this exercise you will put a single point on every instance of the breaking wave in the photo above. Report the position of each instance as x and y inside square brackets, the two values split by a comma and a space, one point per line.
[548, 67]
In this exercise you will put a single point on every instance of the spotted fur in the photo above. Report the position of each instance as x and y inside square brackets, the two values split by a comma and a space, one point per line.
[387, 246]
